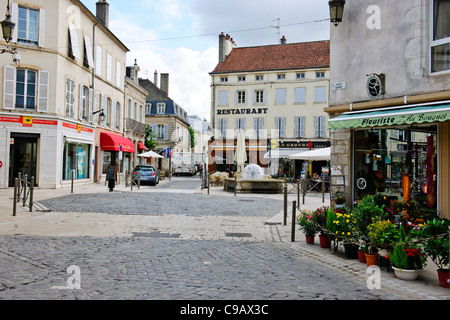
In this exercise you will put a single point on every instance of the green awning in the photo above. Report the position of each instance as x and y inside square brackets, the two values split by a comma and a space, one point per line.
[391, 117]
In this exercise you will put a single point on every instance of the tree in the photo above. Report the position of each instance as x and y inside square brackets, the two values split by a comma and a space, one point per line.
[150, 138]
[193, 138]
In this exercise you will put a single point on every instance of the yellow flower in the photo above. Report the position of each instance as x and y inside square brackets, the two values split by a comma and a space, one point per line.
[348, 221]
[349, 233]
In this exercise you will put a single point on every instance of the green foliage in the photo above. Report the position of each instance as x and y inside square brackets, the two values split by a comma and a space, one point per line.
[150, 138]
[331, 217]
[436, 244]
[306, 222]
[365, 212]
[193, 137]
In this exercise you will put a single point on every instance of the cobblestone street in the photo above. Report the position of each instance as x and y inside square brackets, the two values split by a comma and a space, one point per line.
[164, 243]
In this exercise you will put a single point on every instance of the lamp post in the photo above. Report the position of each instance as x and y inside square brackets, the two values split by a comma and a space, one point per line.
[336, 11]
[7, 25]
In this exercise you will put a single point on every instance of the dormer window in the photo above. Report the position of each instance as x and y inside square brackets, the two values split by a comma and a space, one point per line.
[241, 78]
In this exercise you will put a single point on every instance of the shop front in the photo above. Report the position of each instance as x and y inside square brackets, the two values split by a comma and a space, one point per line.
[114, 150]
[399, 152]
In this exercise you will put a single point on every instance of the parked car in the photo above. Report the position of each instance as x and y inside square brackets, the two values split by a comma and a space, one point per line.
[147, 174]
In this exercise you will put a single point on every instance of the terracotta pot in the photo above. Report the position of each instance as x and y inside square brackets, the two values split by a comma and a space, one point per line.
[443, 275]
[325, 241]
[309, 239]
[371, 259]
[406, 274]
[362, 256]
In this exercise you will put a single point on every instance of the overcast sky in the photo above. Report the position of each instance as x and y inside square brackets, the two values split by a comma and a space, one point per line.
[180, 37]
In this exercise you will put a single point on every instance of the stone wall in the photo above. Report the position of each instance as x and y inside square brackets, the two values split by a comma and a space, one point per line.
[341, 158]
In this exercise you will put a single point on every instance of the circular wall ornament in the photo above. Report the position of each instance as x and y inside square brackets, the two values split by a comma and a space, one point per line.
[375, 86]
[361, 183]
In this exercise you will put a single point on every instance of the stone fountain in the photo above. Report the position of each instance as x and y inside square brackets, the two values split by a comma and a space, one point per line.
[253, 180]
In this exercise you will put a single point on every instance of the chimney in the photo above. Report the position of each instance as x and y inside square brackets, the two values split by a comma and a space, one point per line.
[155, 78]
[226, 45]
[283, 40]
[103, 12]
[165, 83]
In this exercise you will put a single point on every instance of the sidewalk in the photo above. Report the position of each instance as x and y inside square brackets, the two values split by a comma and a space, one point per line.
[426, 287]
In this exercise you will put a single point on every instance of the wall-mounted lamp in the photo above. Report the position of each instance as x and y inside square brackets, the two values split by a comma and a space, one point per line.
[102, 115]
[336, 11]
[8, 26]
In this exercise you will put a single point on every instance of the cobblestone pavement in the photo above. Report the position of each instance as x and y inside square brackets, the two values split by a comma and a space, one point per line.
[170, 244]
[145, 268]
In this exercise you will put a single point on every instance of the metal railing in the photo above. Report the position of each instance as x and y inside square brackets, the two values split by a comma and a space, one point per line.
[23, 192]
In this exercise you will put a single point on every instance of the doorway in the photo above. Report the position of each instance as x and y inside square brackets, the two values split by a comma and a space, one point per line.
[23, 156]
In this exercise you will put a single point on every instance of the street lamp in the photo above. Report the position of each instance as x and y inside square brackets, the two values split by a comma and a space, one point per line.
[8, 26]
[102, 115]
[336, 11]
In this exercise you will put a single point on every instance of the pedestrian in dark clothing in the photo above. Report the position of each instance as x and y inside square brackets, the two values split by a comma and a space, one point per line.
[110, 176]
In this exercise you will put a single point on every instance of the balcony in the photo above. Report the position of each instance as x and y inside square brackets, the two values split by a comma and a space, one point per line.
[134, 126]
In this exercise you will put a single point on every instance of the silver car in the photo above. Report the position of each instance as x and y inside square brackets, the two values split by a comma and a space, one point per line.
[146, 174]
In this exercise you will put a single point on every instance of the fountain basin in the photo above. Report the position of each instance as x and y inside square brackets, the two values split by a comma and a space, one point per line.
[266, 185]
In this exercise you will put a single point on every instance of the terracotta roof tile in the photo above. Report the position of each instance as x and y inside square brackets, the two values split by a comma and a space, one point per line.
[277, 57]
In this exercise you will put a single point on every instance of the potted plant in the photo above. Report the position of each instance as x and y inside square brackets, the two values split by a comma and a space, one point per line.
[320, 219]
[339, 199]
[436, 246]
[407, 260]
[375, 232]
[346, 229]
[307, 225]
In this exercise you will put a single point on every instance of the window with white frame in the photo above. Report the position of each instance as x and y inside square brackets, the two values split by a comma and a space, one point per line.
[319, 127]
[148, 108]
[26, 88]
[299, 125]
[223, 123]
[300, 76]
[258, 126]
[241, 97]
[162, 131]
[223, 79]
[259, 96]
[130, 104]
[281, 76]
[440, 41]
[320, 74]
[28, 26]
[259, 77]
[241, 78]
[118, 115]
[280, 127]
[240, 126]
[161, 108]
[83, 105]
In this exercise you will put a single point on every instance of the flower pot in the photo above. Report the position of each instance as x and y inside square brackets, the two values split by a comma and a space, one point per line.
[443, 275]
[371, 259]
[362, 256]
[351, 251]
[309, 239]
[406, 274]
[325, 241]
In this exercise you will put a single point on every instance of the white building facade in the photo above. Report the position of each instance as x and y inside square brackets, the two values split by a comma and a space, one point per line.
[48, 126]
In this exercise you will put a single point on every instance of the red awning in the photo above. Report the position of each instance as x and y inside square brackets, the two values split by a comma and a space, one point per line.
[141, 146]
[114, 142]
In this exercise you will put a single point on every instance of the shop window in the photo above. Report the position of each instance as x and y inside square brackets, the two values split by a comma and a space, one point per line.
[76, 159]
[399, 164]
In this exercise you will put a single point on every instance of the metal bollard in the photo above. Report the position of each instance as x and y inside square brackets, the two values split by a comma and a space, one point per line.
[323, 190]
[294, 206]
[285, 205]
[304, 190]
[31, 193]
[25, 181]
[235, 185]
[71, 185]
[16, 186]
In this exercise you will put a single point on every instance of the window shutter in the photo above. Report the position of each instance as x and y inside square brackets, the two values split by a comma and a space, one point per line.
[261, 126]
[302, 127]
[80, 103]
[235, 98]
[41, 32]
[104, 107]
[166, 132]
[43, 91]
[277, 127]
[88, 45]
[322, 126]
[113, 114]
[283, 127]
[296, 126]
[9, 87]
[74, 41]
[255, 127]
[15, 19]
[316, 126]
[91, 105]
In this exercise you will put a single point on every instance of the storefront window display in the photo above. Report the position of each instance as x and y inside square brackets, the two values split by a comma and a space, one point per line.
[400, 163]
[76, 158]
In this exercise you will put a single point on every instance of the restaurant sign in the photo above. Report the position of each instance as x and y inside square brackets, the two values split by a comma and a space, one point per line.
[392, 117]
[304, 144]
